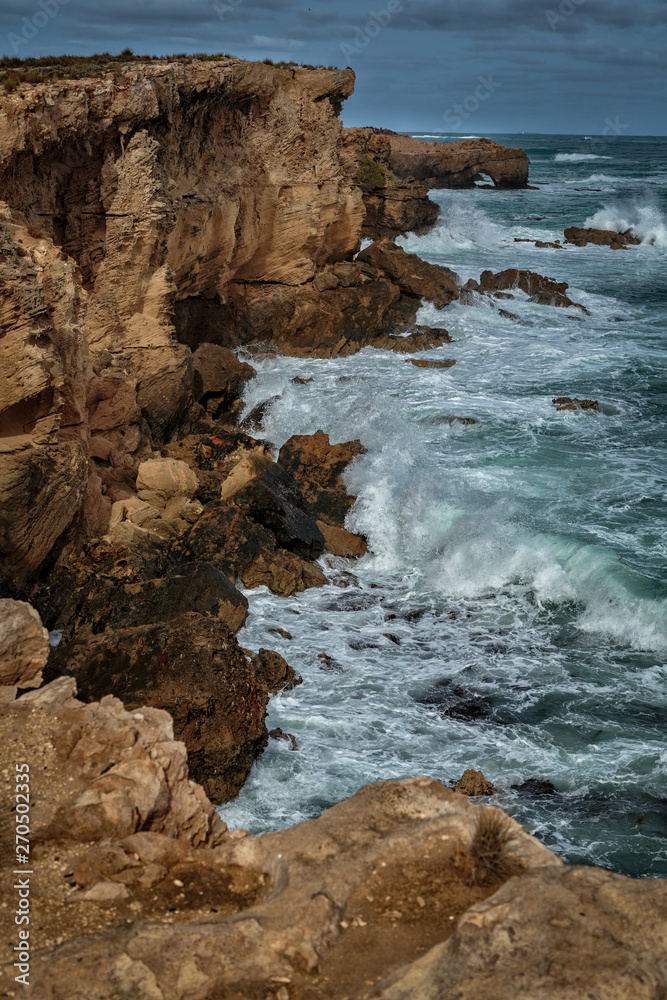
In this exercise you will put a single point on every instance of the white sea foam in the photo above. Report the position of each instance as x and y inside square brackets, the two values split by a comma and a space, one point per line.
[463, 224]
[596, 179]
[578, 157]
[644, 217]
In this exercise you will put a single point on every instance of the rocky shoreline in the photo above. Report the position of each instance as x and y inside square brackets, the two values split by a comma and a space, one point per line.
[153, 222]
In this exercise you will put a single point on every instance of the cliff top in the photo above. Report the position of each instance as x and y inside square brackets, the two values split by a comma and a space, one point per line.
[48, 69]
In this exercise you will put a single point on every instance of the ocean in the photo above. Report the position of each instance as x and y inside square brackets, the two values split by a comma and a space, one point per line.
[511, 615]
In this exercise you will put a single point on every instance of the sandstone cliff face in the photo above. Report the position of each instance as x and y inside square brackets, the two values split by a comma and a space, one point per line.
[131, 204]
[178, 205]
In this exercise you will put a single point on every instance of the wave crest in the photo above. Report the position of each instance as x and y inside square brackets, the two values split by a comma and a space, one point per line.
[578, 157]
[644, 218]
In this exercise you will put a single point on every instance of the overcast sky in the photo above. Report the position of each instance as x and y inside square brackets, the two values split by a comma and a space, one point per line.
[564, 66]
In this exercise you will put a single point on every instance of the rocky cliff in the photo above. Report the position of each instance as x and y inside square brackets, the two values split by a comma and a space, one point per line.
[406, 890]
[146, 212]
[440, 164]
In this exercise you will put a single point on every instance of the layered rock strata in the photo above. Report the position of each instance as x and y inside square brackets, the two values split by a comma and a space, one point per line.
[155, 217]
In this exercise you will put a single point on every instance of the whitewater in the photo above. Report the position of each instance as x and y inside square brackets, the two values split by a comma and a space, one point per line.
[511, 614]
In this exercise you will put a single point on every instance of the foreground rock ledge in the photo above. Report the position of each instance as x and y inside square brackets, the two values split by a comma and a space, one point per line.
[388, 894]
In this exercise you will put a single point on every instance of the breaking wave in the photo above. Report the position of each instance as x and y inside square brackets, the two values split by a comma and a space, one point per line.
[578, 157]
[644, 218]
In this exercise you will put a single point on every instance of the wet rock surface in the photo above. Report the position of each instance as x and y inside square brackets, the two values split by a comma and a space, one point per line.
[539, 289]
[413, 276]
[318, 466]
[572, 403]
[601, 237]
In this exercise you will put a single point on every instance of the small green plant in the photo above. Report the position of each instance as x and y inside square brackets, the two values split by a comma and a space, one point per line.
[490, 861]
[371, 174]
[10, 82]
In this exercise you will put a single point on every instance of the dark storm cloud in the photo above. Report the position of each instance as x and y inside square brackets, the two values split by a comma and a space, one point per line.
[560, 65]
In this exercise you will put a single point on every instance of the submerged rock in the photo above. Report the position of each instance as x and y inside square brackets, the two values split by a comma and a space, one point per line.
[572, 403]
[419, 363]
[536, 787]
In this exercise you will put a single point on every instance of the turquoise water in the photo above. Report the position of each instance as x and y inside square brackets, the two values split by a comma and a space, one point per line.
[519, 562]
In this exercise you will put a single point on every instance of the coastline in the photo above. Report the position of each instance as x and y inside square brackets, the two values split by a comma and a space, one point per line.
[153, 502]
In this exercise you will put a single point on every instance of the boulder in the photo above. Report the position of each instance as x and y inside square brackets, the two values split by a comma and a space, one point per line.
[474, 783]
[270, 496]
[413, 275]
[227, 537]
[274, 672]
[601, 237]
[318, 466]
[340, 542]
[192, 667]
[167, 476]
[220, 379]
[24, 645]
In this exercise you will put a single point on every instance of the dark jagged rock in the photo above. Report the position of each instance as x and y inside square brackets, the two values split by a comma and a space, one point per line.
[601, 237]
[413, 275]
[544, 291]
[270, 496]
[569, 403]
[84, 604]
[318, 466]
[193, 667]
[219, 380]
[536, 787]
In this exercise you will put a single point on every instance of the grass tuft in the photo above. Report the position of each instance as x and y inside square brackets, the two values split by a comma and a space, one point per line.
[490, 861]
